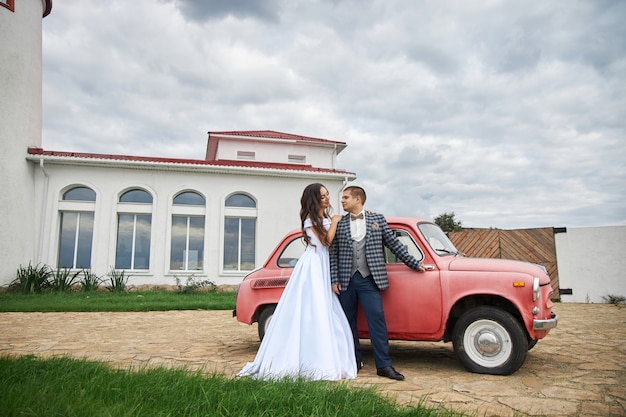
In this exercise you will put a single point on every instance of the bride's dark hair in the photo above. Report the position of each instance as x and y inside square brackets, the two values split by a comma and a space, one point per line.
[310, 207]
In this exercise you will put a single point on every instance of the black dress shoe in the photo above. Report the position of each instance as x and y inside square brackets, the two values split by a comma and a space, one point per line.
[359, 365]
[389, 372]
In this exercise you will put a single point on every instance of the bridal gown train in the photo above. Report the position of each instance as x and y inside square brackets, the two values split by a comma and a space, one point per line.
[309, 335]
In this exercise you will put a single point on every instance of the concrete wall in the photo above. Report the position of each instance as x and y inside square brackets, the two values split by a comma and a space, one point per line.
[20, 127]
[591, 263]
[267, 151]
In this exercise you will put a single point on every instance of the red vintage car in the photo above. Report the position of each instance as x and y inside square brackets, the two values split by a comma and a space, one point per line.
[493, 310]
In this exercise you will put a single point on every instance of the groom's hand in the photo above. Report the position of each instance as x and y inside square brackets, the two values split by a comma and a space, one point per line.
[336, 288]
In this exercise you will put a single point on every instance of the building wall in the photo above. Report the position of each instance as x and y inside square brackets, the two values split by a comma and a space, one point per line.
[20, 127]
[267, 151]
[277, 198]
[591, 263]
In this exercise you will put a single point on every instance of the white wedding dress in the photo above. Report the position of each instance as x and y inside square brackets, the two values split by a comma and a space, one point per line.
[309, 335]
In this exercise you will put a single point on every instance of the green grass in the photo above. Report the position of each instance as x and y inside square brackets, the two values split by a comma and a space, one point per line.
[71, 388]
[111, 301]
[68, 387]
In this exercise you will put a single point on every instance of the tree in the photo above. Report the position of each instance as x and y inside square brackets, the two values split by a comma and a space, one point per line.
[448, 223]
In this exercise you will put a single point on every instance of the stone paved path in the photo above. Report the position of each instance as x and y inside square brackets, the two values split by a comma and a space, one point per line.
[578, 370]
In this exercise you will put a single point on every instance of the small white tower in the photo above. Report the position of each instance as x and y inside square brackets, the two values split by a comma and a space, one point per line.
[20, 127]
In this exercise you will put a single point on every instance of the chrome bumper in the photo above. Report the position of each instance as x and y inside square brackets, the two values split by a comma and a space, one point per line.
[546, 324]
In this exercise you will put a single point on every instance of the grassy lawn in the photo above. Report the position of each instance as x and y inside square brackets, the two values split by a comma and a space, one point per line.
[71, 388]
[111, 301]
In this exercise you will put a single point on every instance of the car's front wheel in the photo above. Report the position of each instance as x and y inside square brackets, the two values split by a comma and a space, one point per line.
[489, 340]
[264, 319]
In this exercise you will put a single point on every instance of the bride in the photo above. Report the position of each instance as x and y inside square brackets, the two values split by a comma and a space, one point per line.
[309, 335]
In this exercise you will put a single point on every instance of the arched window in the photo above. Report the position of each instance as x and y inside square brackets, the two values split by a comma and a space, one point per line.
[79, 194]
[187, 245]
[134, 225]
[76, 210]
[189, 198]
[240, 215]
[136, 196]
[240, 200]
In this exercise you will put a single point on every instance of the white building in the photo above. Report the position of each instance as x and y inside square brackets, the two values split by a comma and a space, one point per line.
[20, 127]
[160, 218]
[157, 219]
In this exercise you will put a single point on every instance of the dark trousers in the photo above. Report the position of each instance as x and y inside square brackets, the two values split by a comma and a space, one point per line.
[365, 291]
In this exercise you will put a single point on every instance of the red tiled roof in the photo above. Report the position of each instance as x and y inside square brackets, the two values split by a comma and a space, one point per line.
[199, 162]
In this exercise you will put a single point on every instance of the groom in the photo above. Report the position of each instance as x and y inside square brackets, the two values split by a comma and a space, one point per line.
[358, 273]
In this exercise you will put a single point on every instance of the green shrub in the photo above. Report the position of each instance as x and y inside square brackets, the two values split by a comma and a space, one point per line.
[614, 299]
[89, 281]
[63, 279]
[118, 280]
[31, 279]
[193, 285]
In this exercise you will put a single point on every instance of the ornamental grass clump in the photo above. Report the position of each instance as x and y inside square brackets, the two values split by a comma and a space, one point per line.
[89, 281]
[63, 279]
[117, 280]
[31, 279]
[614, 299]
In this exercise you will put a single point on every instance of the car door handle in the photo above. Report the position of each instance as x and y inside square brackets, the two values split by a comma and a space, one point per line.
[429, 267]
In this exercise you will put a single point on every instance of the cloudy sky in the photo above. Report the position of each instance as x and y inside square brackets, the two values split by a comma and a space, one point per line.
[509, 113]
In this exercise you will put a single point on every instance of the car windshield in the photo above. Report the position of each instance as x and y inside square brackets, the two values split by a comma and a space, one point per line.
[437, 239]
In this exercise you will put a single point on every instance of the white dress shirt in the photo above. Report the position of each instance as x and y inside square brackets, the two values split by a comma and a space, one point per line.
[358, 227]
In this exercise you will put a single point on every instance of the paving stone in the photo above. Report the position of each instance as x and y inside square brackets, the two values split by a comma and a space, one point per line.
[579, 369]
[541, 406]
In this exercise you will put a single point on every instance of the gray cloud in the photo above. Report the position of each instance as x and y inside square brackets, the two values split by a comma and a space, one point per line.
[510, 114]
[205, 10]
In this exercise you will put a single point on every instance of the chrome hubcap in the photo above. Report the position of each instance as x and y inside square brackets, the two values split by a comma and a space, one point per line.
[487, 342]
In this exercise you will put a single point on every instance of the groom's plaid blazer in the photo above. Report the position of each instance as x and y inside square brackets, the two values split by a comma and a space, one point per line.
[377, 236]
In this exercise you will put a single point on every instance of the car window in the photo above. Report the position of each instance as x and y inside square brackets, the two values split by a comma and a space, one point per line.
[294, 249]
[437, 239]
[405, 238]
[291, 253]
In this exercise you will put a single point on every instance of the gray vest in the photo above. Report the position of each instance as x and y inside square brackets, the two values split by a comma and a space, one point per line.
[359, 260]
